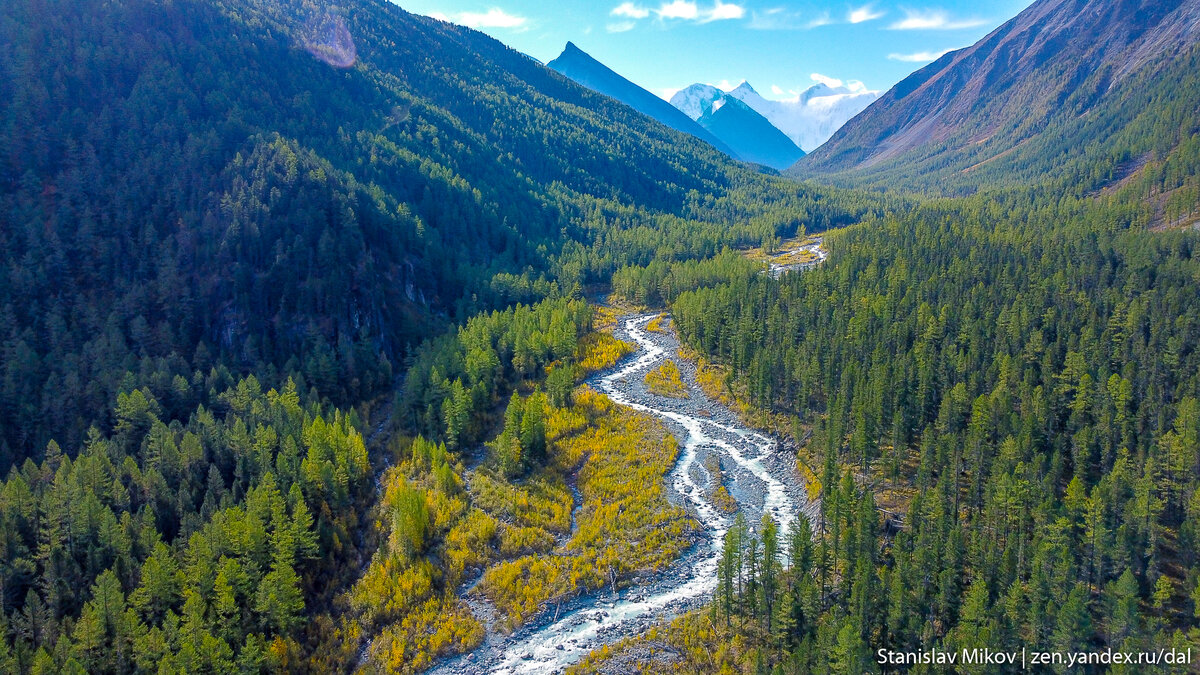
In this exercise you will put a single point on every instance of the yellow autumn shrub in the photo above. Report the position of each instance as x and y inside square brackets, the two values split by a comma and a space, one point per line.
[440, 627]
[597, 351]
[542, 500]
[624, 525]
[666, 380]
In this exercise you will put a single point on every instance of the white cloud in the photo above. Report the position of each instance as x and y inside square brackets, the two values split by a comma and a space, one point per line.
[690, 11]
[620, 27]
[777, 90]
[722, 11]
[823, 20]
[667, 93]
[864, 13]
[493, 18]
[679, 9]
[831, 82]
[776, 18]
[933, 20]
[630, 10]
[920, 57]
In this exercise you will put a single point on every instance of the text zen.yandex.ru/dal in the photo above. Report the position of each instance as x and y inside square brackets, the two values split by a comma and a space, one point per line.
[1027, 658]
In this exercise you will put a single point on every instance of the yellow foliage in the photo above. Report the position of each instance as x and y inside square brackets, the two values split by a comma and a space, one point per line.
[468, 544]
[624, 524]
[719, 494]
[521, 533]
[543, 500]
[515, 540]
[564, 421]
[440, 627]
[597, 351]
[423, 508]
[656, 324]
[695, 643]
[709, 376]
[665, 380]
[390, 588]
[812, 484]
[592, 404]
[522, 588]
[724, 502]
[606, 317]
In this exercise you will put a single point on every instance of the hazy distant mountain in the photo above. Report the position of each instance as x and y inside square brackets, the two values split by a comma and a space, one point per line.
[1060, 88]
[749, 134]
[582, 68]
[810, 118]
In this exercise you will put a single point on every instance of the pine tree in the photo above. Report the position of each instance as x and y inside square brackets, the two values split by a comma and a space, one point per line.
[280, 601]
[768, 570]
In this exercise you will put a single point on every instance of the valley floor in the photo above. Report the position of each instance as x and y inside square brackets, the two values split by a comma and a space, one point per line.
[759, 477]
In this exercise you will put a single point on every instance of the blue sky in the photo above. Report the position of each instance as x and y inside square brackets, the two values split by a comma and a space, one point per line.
[775, 45]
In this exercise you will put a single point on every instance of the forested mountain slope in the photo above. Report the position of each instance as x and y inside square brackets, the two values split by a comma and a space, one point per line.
[281, 186]
[1079, 92]
[224, 227]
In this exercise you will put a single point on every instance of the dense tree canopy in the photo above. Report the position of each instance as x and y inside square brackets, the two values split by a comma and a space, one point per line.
[1019, 378]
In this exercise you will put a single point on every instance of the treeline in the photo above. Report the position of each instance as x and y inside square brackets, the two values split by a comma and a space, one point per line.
[1020, 381]
[175, 546]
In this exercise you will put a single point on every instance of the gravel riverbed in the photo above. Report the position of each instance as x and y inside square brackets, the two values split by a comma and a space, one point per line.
[759, 475]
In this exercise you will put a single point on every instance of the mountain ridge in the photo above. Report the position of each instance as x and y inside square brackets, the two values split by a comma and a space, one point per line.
[581, 67]
[984, 109]
[750, 134]
[808, 119]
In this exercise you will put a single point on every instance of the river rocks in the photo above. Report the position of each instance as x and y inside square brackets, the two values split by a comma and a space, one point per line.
[758, 474]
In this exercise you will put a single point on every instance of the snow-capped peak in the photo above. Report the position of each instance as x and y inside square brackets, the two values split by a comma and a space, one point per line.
[697, 99]
[811, 117]
[744, 88]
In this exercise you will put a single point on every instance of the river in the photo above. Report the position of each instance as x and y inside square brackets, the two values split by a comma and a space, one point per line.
[758, 474]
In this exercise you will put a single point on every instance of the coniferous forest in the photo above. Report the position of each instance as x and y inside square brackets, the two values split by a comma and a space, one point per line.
[298, 329]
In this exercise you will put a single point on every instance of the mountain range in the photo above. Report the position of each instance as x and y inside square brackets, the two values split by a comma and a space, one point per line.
[742, 129]
[752, 136]
[808, 119]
